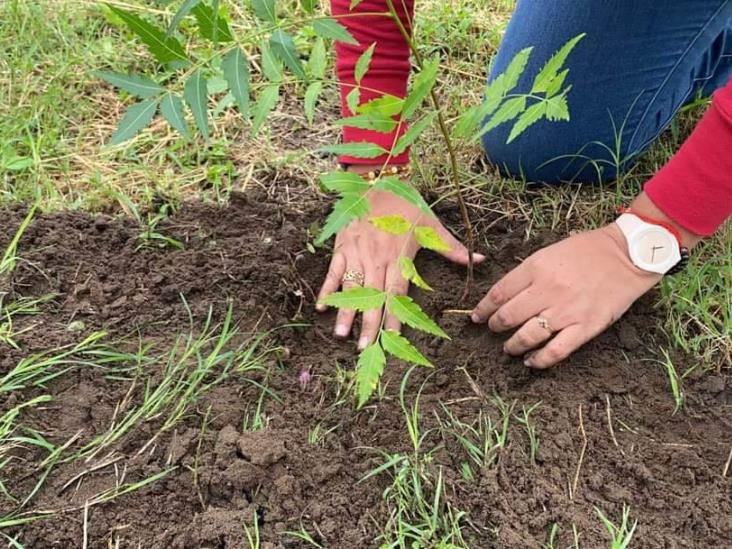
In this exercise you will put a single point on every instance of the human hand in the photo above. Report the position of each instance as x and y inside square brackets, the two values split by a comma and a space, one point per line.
[564, 295]
[362, 248]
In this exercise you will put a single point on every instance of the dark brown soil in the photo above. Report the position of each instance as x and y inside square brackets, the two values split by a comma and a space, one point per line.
[667, 467]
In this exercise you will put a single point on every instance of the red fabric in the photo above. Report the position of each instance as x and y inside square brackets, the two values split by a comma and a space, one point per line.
[388, 72]
[695, 187]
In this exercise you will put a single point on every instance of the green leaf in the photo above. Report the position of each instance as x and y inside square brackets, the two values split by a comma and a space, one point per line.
[411, 314]
[362, 65]
[423, 84]
[356, 299]
[265, 10]
[386, 105]
[409, 272]
[556, 84]
[311, 99]
[266, 102]
[271, 65]
[183, 10]
[557, 108]
[429, 238]
[369, 368]
[371, 121]
[341, 181]
[212, 26]
[16, 163]
[353, 99]
[355, 3]
[140, 86]
[403, 190]
[411, 135]
[509, 110]
[392, 224]
[283, 46]
[137, 117]
[194, 92]
[330, 28]
[345, 210]
[166, 49]
[309, 5]
[358, 150]
[530, 116]
[400, 347]
[235, 67]
[317, 62]
[171, 107]
[548, 73]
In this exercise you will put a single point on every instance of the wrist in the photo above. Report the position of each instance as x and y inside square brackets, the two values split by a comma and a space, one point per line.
[644, 206]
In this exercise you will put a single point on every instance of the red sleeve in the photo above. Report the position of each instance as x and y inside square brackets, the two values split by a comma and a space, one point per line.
[388, 72]
[695, 187]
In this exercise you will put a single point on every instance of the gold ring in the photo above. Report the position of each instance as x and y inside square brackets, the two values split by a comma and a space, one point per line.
[544, 323]
[353, 276]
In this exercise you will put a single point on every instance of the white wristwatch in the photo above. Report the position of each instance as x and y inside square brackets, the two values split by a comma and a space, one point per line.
[652, 247]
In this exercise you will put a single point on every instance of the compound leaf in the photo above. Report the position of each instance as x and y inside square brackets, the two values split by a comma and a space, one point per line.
[330, 28]
[509, 110]
[358, 150]
[400, 347]
[137, 117]
[344, 182]
[171, 107]
[369, 368]
[345, 210]
[362, 65]
[138, 85]
[235, 67]
[392, 224]
[548, 73]
[194, 92]
[265, 10]
[356, 299]
[430, 239]
[166, 49]
[403, 190]
[283, 46]
[411, 314]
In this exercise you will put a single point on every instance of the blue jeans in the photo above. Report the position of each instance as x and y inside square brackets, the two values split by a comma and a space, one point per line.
[639, 63]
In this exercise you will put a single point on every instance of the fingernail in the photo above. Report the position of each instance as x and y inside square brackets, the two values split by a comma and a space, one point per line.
[363, 343]
[475, 318]
[527, 361]
[341, 330]
[320, 307]
[478, 257]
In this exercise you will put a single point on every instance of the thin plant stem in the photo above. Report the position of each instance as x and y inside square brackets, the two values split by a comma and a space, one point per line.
[450, 151]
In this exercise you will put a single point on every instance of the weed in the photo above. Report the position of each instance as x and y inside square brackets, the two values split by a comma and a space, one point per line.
[530, 428]
[622, 534]
[253, 534]
[303, 535]
[10, 257]
[150, 237]
[673, 380]
[552, 541]
[21, 307]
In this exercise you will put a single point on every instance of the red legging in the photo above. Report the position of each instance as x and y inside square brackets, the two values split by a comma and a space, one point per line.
[388, 71]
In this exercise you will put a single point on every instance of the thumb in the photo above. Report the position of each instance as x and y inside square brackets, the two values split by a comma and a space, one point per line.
[457, 253]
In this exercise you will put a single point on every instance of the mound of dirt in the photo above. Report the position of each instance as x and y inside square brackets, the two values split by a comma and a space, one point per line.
[605, 423]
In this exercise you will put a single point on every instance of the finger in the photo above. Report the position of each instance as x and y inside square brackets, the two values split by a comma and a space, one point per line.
[518, 310]
[332, 280]
[457, 253]
[397, 285]
[531, 335]
[564, 343]
[375, 278]
[344, 319]
[502, 292]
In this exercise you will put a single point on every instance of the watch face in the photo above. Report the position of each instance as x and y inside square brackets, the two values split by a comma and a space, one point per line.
[654, 246]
